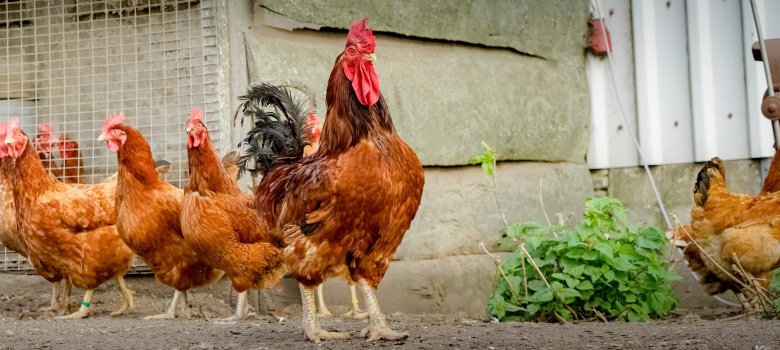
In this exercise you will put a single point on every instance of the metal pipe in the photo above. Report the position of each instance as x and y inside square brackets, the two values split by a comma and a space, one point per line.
[765, 60]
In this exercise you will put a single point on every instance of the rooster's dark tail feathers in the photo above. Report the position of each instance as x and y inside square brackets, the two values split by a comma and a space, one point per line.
[279, 132]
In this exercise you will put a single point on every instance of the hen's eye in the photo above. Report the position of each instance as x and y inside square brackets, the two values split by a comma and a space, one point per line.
[351, 51]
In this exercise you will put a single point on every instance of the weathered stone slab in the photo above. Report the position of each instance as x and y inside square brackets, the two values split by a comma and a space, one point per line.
[550, 29]
[675, 184]
[446, 98]
[458, 210]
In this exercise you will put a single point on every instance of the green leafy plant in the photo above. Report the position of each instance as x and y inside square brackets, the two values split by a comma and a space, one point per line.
[487, 159]
[774, 292]
[603, 268]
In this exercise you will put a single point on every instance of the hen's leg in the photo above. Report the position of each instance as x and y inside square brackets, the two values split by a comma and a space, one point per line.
[65, 298]
[83, 311]
[127, 297]
[242, 310]
[186, 310]
[355, 311]
[55, 298]
[311, 324]
[323, 310]
[171, 313]
[377, 325]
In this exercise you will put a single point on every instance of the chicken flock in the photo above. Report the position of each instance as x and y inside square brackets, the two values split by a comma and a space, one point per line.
[331, 202]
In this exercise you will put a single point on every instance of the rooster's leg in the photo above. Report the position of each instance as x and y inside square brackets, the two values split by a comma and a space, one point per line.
[323, 310]
[242, 310]
[355, 311]
[377, 325]
[127, 297]
[83, 311]
[311, 324]
[171, 313]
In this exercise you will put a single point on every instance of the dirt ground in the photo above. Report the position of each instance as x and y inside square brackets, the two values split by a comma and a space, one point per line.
[22, 327]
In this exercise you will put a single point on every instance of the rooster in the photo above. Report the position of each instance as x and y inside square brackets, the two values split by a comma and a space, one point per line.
[72, 162]
[69, 232]
[344, 210]
[43, 145]
[725, 226]
[218, 221]
[148, 212]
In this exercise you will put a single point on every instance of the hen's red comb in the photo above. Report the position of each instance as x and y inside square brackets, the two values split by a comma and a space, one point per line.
[3, 131]
[14, 124]
[361, 36]
[196, 114]
[112, 121]
[45, 129]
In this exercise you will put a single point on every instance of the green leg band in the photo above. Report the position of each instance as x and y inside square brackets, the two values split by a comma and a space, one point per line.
[85, 303]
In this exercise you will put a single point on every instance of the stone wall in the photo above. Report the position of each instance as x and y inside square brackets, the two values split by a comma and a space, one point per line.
[511, 73]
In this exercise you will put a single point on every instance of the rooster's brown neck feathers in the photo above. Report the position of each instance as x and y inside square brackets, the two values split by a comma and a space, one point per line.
[348, 121]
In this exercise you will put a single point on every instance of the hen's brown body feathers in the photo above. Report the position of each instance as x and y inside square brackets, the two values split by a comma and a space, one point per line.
[148, 211]
[69, 232]
[728, 225]
[219, 222]
[9, 234]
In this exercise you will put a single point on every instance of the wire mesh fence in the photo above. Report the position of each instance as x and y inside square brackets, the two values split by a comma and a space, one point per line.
[65, 65]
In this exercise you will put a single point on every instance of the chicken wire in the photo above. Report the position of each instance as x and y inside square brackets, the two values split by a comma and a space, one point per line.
[71, 63]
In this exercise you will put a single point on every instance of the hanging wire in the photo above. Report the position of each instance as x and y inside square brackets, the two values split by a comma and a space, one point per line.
[659, 200]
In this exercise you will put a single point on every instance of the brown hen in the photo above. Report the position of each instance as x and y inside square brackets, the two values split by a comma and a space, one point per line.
[148, 216]
[729, 228]
[68, 232]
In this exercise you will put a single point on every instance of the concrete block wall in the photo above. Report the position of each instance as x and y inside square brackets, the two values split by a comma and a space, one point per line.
[511, 73]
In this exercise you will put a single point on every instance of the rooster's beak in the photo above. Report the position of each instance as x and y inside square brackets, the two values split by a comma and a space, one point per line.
[371, 57]
[102, 137]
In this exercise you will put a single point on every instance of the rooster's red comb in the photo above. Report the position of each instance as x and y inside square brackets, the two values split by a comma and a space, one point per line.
[196, 114]
[361, 36]
[112, 121]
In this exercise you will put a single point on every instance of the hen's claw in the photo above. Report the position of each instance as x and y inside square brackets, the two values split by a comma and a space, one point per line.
[375, 333]
[82, 313]
[317, 335]
[355, 314]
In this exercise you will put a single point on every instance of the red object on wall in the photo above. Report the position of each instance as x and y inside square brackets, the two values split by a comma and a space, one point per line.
[596, 40]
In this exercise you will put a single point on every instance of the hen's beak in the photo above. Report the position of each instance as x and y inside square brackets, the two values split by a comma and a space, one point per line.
[371, 57]
[189, 129]
[9, 141]
[102, 137]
